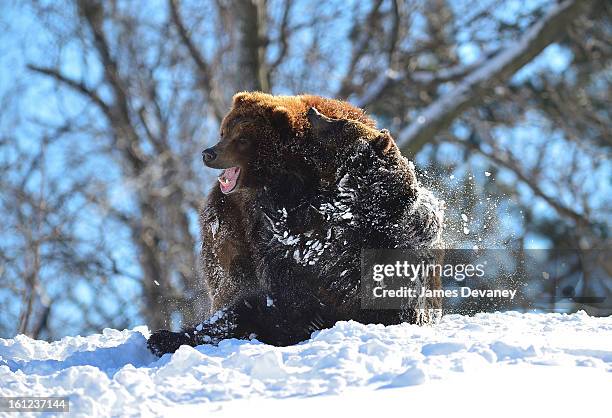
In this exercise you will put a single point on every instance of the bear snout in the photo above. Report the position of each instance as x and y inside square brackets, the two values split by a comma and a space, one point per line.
[209, 155]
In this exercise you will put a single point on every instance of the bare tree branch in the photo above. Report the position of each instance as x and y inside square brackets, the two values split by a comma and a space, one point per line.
[376, 88]
[454, 73]
[506, 161]
[471, 90]
[363, 29]
[390, 76]
[203, 67]
[283, 37]
[78, 86]
[195, 53]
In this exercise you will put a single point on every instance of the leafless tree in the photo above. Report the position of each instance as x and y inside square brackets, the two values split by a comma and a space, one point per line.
[145, 89]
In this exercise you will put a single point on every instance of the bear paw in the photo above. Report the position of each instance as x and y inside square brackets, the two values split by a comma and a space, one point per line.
[164, 341]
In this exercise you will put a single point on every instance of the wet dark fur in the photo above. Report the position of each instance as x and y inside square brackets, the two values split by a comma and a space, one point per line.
[258, 288]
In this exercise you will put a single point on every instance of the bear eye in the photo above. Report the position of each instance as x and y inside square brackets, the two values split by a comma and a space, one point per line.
[243, 140]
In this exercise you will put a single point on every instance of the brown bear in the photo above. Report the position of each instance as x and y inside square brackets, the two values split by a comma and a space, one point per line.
[261, 146]
[307, 183]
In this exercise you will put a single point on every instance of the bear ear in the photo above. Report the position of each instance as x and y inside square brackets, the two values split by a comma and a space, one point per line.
[384, 143]
[320, 123]
[242, 98]
[281, 118]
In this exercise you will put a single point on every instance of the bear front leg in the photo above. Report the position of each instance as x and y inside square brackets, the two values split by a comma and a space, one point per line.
[223, 324]
[248, 317]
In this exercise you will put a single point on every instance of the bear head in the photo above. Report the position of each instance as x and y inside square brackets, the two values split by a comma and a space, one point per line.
[266, 140]
[336, 136]
[359, 150]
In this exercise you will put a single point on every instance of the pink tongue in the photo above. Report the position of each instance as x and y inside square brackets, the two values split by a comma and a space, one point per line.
[228, 179]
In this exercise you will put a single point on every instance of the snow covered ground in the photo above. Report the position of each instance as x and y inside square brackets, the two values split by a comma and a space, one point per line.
[501, 364]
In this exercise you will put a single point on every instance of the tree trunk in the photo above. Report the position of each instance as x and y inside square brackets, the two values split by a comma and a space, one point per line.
[251, 45]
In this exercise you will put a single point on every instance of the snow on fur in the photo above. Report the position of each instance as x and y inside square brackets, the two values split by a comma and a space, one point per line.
[113, 373]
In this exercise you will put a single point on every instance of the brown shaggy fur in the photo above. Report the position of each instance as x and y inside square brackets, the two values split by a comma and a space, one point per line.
[277, 131]
[290, 158]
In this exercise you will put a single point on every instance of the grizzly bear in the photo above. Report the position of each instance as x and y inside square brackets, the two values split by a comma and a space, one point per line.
[308, 183]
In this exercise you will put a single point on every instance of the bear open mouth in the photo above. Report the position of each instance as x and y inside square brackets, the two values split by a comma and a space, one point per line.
[228, 180]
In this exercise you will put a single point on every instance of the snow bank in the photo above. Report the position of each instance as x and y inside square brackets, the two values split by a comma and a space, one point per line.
[471, 363]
